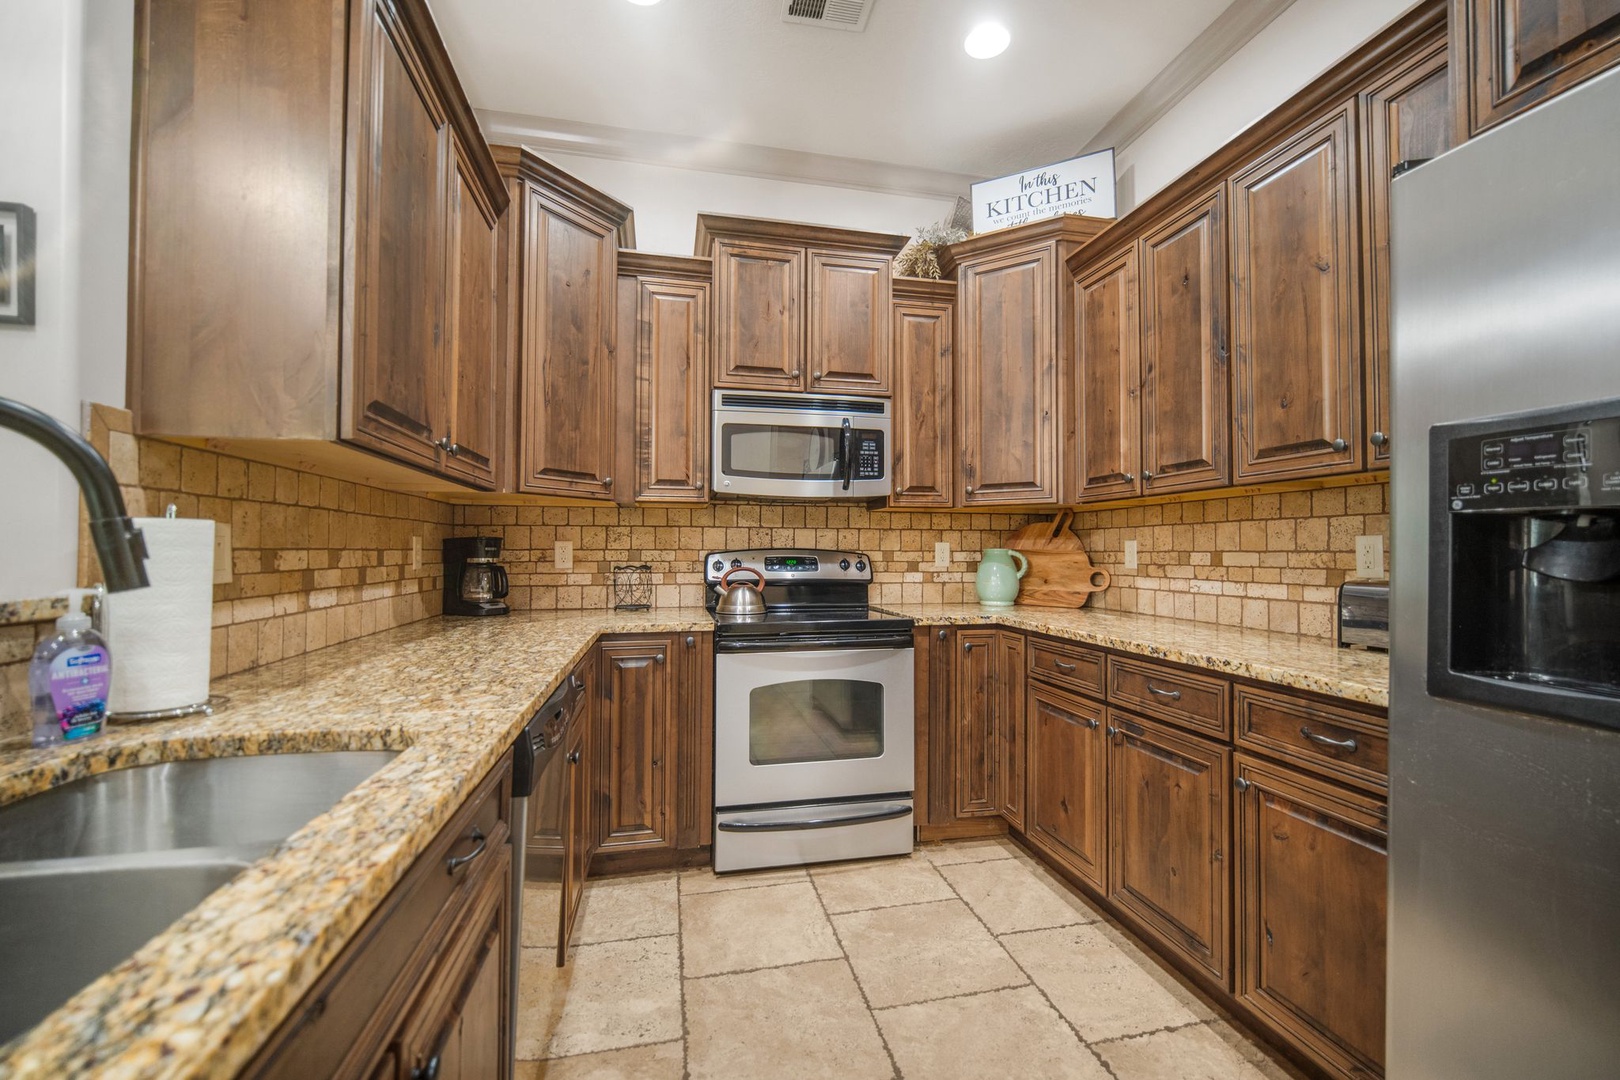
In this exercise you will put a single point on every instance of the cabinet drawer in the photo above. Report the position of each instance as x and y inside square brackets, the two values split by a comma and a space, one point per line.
[1067, 666]
[1351, 746]
[1196, 701]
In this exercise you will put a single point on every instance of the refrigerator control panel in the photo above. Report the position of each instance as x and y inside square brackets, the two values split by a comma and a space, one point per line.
[1565, 467]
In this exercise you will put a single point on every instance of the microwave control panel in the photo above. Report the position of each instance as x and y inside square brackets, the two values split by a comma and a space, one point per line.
[868, 455]
[1565, 467]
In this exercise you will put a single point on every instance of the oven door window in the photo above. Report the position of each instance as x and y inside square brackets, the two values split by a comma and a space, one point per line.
[815, 720]
[775, 452]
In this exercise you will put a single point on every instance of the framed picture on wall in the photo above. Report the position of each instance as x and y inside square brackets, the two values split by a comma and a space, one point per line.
[16, 264]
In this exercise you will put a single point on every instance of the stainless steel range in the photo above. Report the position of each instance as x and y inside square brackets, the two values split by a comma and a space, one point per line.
[813, 709]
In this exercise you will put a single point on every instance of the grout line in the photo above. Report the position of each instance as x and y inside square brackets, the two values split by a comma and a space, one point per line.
[871, 1014]
[746, 888]
[954, 997]
[763, 967]
[1165, 1030]
[606, 1050]
[680, 978]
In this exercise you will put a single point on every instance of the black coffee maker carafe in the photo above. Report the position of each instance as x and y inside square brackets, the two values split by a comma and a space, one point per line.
[474, 580]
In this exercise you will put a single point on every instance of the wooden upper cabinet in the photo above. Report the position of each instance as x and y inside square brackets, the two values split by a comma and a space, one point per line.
[848, 341]
[1406, 117]
[1509, 55]
[923, 445]
[1186, 380]
[663, 399]
[638, 743]
[1068, 796]
[1312, 865]
[474, 347]
[570, 235]
[364, 318]
[1110, 381]
[1016, 413]
[1296, 324]
[799, 307]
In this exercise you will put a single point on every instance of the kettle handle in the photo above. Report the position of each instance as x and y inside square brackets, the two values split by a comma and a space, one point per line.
[1023, 567]
[758, 585]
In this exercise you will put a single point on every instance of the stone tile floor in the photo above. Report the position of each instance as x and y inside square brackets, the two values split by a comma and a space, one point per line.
[963, 960]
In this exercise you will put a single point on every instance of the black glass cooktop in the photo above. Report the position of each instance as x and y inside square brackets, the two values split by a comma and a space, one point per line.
[818, 620]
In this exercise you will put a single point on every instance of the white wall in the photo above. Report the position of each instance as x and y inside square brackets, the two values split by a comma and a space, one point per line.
[65, 72]
[1300, 44]
[668, 200]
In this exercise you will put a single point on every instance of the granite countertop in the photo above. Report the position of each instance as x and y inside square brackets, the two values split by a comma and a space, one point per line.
[201, 998]
[1303, 663]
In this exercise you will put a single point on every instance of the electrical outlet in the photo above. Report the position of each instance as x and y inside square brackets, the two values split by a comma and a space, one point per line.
[416, 554]
[1370, 557]
[562, 555]
[223, 553]
[942, 555]
[1130, 554]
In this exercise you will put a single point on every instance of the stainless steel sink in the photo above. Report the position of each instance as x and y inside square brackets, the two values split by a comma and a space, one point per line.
[94, 869]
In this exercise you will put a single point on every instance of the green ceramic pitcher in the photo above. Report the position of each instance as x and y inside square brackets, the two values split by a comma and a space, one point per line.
[997, 580]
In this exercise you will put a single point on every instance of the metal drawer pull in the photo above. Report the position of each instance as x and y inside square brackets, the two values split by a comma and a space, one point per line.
[942, 635]
[887, 813]
[573, 759]
[450, 865]
[1349, 744]
[1241, 784]
[1169, 695]
[576, 682]
[1061, 666]
[690, 641]
[1112, 730]
[967, 646]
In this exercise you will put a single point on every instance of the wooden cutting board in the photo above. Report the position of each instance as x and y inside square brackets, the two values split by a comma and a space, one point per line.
[1051, 535]
[1060, 571]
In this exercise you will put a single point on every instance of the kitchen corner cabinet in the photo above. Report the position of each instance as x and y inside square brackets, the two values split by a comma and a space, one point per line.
[975, 731]
[367, 319]
[924, 445]
[427, 977]
[982, 736]
[1509, 57]
[1295, 321]
[1406, 117]
[663, 372]
[799, 307]
[638, 742]
[1016, 414]
[568, 235]
[1011, 734]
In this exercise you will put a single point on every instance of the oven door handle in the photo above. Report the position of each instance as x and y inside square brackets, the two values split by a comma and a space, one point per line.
[882, 813]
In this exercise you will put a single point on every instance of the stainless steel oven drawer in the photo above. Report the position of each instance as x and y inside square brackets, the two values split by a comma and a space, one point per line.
[822, 832]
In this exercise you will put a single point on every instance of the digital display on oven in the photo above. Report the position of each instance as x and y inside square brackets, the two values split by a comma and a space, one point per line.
[790, 563]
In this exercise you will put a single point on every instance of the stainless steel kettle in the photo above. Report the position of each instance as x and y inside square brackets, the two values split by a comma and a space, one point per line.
[744, 599]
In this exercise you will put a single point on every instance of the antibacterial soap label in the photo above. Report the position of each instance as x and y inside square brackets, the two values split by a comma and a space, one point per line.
[79, 681]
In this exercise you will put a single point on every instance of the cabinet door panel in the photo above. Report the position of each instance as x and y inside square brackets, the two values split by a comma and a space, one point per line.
[974, 732]
[1312, 869]
[1007, 393]
[1110, 380]
[1010, 724]
[394, 377]
[924, 449]
[474, 344]
[638, 744]
[1407, 117]
[666, 327]
[1522, 52]
[759, 329]
[1068, 799]
[1186, 383]
[568, 335]
[1294, 282]
[1168, 825]
[849, 323]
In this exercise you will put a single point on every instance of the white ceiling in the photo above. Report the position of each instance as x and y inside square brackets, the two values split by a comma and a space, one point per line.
[903, 92]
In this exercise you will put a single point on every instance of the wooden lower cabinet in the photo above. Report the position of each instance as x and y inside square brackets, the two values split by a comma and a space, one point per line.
[1169, 823]
[1010, 729]
[1067, 814]
[1312, 865]
[638, 742]
[974, 733]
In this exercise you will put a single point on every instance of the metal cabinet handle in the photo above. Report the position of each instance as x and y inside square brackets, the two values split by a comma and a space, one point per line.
[795, 373]
[452, 864]
[430, 1071]
[1378, 438]
[659, 658]
[967, 646]
[1112, 731]
[1340, 445]
[607, 481]
[1168, 695]
[576, 682]
[1147, 474]
[573, 759]
[1349, 744]
[444, 444]
[1061, 666]
[943, 635]
[656, 762]
[815, 375]
[1091, 722]
[691, 640]
[1130, 477]
[970, 489]
[1241, 784]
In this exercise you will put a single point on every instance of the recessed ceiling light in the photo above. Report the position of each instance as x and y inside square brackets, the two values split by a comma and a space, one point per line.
[644, 3]
[983, 41]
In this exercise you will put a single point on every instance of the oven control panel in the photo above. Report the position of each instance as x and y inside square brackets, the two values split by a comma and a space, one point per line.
[788, 566]
[1567, 466]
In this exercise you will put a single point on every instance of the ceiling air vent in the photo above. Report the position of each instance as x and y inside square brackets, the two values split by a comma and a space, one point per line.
[833, 14]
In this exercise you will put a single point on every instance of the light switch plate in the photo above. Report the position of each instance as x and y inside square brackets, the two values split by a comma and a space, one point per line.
[416, 553]
[1130, 554]
[223, 553]
[942, 555]
[1370, 557]
[562, 555]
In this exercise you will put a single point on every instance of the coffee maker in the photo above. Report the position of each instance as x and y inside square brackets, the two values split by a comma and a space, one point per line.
[474, 581]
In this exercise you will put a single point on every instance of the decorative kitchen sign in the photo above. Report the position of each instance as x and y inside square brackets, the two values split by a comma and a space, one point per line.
[1082, 185]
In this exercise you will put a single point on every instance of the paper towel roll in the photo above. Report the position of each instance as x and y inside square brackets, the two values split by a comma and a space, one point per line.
[159, 636]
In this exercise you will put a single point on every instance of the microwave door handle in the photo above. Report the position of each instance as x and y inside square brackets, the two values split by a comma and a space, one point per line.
[846, 453]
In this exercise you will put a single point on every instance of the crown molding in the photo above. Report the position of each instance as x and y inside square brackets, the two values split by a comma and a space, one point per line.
[716, 155]
[1232, 29]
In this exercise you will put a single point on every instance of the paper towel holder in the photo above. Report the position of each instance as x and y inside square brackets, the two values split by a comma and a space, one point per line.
[214, 704]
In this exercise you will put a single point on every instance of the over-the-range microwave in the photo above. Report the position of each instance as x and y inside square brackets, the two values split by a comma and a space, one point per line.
[800, 446]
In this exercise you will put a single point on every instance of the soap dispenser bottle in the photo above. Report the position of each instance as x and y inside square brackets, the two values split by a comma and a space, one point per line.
[69, 678]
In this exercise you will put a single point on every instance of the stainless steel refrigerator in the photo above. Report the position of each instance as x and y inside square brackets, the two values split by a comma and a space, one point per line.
[1504, 829]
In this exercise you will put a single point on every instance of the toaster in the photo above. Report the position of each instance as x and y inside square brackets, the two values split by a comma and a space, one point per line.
[1364, 614]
